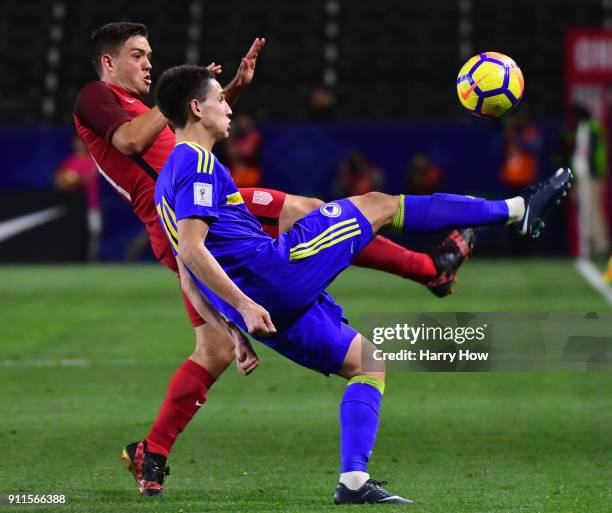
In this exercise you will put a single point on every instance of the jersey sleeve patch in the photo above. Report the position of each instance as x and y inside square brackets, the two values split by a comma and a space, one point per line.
[203, 194]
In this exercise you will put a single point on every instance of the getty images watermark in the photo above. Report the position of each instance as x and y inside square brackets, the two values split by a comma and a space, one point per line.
[417, 335]
[566, 341]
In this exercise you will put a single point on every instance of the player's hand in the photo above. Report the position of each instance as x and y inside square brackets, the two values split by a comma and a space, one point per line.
[257, 320]
[246, 357]
[214, 67]
[246, 70]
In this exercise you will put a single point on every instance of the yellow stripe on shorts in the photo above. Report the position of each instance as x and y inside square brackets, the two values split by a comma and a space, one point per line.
[314, 251]
[320, 244]
[323, 234]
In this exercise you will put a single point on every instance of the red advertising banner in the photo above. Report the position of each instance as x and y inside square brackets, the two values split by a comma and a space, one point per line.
[589, 54]
[588, 68]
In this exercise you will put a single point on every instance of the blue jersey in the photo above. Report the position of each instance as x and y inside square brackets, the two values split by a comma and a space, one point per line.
[285, 275]
[193, 183]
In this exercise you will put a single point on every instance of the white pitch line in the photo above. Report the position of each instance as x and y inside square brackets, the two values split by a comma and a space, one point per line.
[45, 362]
[75, 362]
[593, 276]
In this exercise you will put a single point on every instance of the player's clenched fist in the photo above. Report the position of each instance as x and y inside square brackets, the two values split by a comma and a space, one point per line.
[246, 357]
[257, 320]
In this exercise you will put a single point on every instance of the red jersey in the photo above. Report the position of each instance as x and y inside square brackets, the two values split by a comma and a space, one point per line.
[100, 109]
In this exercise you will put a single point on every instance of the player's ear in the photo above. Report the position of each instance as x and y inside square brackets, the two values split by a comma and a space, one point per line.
[196, 108]
[106, 61]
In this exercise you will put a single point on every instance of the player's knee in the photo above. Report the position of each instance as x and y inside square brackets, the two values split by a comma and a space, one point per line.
[226, 354]
[381, 199]
[370, 364]
[381, 207]
[213, 345]
[361, 360]
[219, 357]
[315, 203]
[305, 205]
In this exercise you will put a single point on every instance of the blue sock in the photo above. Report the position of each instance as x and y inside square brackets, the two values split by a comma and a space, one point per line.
[359, 422]
[440, 211]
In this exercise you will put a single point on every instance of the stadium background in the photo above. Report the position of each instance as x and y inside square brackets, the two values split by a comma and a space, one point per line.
[389, 66]
[86, 350]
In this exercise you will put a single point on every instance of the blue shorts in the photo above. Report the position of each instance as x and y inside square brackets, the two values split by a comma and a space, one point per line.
[319, 340]
[317, 248]
[321, 245]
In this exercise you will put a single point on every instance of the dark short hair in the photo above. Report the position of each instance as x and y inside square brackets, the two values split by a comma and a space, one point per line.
[176, 88]
[111, 37]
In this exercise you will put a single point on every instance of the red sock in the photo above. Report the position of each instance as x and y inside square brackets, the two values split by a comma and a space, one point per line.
[185, 394]
[385, 255]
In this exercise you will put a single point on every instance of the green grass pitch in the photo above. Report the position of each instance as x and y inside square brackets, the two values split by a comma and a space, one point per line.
[86, 352]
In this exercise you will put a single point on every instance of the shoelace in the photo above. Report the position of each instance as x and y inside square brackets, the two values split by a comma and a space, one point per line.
[161, 473]
[380, 484]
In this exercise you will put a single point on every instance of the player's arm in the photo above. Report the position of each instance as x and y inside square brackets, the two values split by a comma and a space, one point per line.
[138, 134]
[246, 357]
[99, 109]
[245, 73]
[199, 301]
[191, 235]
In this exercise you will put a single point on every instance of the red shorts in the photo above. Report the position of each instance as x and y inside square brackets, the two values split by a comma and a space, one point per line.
[265, 204]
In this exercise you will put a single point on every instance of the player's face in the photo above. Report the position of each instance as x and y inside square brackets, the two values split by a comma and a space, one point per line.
[132, 66]
[217, 114]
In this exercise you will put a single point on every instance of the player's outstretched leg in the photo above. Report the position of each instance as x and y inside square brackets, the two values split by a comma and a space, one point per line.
[438, 211]
[437, 271]
[186, 393]
[359, 412]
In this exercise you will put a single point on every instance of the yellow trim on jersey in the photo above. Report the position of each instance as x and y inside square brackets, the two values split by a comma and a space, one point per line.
[378, 384]
[173, 231]
[323, 234]
[209, 158]
[162, 218]
[172, 226]
[234, 199]
[200, 155]
[205, 158]
[330, 237]
[170, 211]
[314, 251]
[196, 144]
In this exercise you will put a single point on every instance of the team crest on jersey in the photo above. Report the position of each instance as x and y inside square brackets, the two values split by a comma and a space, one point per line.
[262, 197]
[202, 194]
[331, 209]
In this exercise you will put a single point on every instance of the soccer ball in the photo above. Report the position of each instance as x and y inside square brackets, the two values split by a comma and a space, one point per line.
[490, 84]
